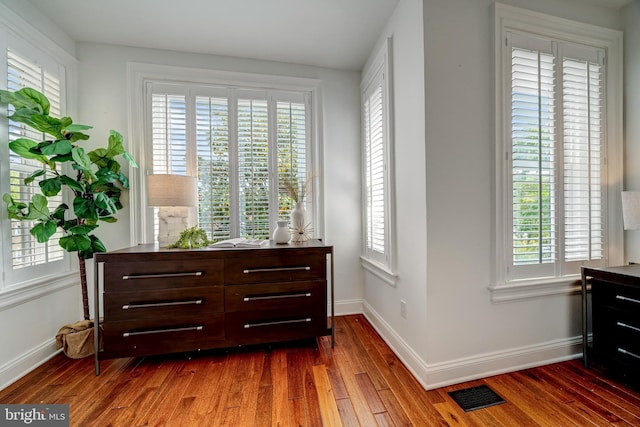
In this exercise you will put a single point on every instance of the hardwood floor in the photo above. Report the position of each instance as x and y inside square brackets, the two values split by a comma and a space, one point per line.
[358, 383]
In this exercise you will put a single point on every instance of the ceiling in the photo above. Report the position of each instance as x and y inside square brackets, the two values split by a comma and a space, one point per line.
[328, 33]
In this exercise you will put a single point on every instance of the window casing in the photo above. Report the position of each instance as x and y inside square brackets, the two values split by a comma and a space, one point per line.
[25, 261]
[240, 143]
[558, 149]
[377, 167]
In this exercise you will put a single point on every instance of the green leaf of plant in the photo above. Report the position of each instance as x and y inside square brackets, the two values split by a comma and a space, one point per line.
[60, 147]
[47, 124]
[124, 180]
[38, 208]
[22, 147]
[77, 128]
[26, 98]
[105, 203]
[72, 183]
[82, 162]
[97, 245]
[105, 175]
[14, 209]
[130, 159]
[85, 208]
[43, 231]
[82, 229]
[36, 98]
[75, 242]
[109, 219]
[76, 136]
[60, 159]
[50, 187]
[58, 213]
[33, 176]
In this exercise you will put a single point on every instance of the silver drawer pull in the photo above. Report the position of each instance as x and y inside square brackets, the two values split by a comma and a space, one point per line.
[161, 304]
[624, 325]
[628, 353]
[161, 275]
[247, 299]
[161, 331]
[623, 298]
[266, 270]
[281, 322]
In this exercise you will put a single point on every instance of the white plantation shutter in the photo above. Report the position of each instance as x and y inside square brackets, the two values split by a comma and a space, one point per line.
[253, 167]
[583, 133]
[556, 153]
[374, 153]
[375, 161]
[533, 155]
[291, 122]
[239, 143]
[212, 139]
[25, 250]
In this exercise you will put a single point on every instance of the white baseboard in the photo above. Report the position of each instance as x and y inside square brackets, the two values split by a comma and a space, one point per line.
[475, 367]
[345, 307]
[17, 368]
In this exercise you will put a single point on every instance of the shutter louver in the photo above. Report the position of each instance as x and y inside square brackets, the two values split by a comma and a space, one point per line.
[253, 168]
[533, 141]
[25, 250]
[582, 117]
[169, 134]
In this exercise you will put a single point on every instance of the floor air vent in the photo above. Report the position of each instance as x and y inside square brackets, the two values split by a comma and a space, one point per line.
[477, 397]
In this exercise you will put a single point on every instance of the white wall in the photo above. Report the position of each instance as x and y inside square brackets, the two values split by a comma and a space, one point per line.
[467, 335]
[631, 16]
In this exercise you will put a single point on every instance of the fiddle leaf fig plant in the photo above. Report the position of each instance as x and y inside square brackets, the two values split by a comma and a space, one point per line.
[94, 179]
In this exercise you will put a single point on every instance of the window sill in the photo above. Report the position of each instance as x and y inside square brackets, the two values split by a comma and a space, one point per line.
[380, 271]
[533, 288]
[21, 294]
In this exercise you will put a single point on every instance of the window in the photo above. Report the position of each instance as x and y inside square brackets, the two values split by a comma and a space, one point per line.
[556, 155]
[377, 164]
[24, 259]
[240, 143]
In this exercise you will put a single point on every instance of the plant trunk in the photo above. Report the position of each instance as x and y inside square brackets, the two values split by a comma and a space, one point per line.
[83, 286]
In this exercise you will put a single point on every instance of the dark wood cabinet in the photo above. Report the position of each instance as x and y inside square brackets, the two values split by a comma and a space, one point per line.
[611, 321]
[170, 300]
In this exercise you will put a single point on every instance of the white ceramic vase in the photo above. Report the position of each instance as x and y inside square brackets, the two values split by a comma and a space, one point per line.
[299, 226]
[281, 233]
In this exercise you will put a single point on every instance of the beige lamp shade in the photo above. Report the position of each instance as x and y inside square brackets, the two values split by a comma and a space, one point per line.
[631, 210]
[171, 190]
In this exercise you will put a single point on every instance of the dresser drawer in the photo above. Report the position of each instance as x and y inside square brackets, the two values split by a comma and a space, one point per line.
[144, 337]
[151, 275]
[616, 295]
[278, 267]
[252, 327]
[156, 304]
[616, 329]
[275, 296]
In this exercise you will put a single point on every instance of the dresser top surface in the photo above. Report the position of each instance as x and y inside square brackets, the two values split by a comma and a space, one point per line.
[212, 252]
[629, 272]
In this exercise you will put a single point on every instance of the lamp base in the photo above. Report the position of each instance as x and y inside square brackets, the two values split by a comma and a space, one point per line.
[173, 220]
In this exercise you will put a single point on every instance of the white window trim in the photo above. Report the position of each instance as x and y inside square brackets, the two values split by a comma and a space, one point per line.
[384, 270]
[511, 18]
[14, 26]
[138, 74]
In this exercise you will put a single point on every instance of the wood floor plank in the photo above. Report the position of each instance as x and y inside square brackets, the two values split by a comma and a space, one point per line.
[326, 399]
[359, 382]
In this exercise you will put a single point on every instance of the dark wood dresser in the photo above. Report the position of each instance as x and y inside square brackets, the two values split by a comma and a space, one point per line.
[611, 321]
[158, 301]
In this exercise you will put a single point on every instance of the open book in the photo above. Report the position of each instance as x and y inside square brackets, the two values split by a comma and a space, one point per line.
[240, 242]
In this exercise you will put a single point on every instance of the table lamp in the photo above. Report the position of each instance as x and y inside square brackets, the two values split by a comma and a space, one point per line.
[175, 196]
[631, 210]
